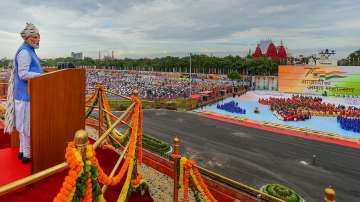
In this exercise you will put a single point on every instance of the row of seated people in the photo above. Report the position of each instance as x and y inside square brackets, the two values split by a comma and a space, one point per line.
[349, 123]
[232, 107]
[294, 115]
[296, 100]
[313, 104]
[288, 112]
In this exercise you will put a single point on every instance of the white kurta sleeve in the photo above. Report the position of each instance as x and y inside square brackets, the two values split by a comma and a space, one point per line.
[24, 61]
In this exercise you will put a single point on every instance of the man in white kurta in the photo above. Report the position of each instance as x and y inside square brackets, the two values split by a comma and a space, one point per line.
[27, 66]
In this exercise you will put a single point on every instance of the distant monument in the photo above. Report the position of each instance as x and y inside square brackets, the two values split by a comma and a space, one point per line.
[266, 48]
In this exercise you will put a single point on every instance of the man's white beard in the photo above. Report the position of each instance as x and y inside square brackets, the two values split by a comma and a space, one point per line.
[35, 46]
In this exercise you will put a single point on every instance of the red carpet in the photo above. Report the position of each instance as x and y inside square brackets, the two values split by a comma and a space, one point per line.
[285, 132]
[4, 138]
[46, 190]
[11, 168]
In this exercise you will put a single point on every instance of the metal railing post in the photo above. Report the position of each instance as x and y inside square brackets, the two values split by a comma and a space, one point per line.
[329, 194]
[176, 155]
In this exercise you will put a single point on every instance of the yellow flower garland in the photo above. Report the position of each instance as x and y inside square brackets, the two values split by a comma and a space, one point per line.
[181, 175]
[126, 185]
[71, 194]
[125, 188]
[76, 158]
[203, 195]
[106, 106]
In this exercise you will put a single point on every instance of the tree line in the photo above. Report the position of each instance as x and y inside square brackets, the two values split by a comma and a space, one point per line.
[352, 60]
[199, 64]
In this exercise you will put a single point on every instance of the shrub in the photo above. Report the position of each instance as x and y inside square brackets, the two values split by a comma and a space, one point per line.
[282, 192]
[155, 145]
[158, 104]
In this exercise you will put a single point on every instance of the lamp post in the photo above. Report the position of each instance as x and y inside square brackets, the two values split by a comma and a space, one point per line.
[190, 77]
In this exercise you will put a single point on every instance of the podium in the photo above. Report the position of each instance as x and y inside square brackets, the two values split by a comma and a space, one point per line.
[57, 111]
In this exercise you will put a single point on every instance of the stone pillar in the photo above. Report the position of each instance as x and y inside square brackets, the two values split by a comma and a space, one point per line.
[329, 194]
[176, 155]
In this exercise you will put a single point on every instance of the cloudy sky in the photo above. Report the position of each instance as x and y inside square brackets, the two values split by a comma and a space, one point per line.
[175, 27]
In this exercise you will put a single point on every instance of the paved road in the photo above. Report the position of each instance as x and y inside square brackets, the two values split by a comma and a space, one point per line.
[258, 157]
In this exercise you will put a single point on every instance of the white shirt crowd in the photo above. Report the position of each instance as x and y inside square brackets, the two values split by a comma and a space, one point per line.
[162, 85]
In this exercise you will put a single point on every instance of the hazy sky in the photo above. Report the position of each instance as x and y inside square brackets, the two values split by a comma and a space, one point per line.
[175, 27]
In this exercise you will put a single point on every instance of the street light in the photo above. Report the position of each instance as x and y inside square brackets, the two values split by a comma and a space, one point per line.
[190, 76]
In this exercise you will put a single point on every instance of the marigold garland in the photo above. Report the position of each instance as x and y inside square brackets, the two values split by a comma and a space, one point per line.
[90, 104]
[88, 193]
[140, 130]
[76, 165]
[92, 98]
[188, 169]
[73, 157]
[136, 182]
[203, 185]
[125, 188]
[109, 118]
[181, 174]
[90, 170]
[198, 186]
[188, 166]
[103, 178]
[105, 116]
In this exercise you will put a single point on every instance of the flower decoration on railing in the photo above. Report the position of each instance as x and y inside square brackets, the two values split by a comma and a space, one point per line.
[188, 171]
[85, 173]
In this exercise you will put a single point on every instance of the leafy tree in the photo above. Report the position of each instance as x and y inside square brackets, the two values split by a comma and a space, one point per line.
[234, 75]
[199, 64]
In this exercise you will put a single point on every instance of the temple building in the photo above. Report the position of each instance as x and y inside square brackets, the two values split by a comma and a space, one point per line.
[266, 48]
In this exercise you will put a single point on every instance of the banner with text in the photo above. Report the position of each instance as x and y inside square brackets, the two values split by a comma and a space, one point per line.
[322, 80]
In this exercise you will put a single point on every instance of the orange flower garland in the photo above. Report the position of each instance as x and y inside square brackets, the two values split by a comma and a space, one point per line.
[109, 118]
[92, 98]
[139, 142]
[106, 106]
[188, 166]
[76, 163]
[88, 193]
[134, 132]
[203, 185]
[76, 167]
[105, 179]
[136, 182]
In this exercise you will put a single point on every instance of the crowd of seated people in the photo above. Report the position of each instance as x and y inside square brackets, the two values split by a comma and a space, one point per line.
[314, 105]
[299, 101]
[288, 112]
[153, 85]
[232, 107]
[349, 123]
